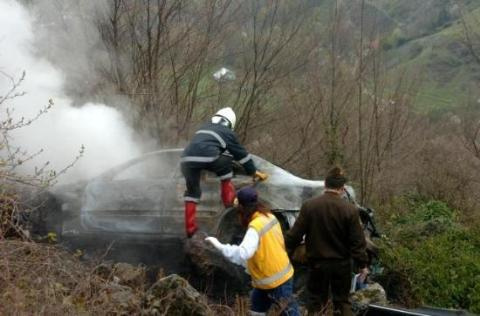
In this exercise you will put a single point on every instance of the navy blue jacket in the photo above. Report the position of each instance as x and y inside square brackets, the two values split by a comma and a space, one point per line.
[212, 140]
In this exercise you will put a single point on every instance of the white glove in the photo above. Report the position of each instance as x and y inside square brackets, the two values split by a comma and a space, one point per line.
[215, 243]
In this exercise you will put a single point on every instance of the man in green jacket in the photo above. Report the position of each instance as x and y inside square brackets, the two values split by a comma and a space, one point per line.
[333, 237]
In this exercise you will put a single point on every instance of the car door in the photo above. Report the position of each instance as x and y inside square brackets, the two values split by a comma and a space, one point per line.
[143, 198]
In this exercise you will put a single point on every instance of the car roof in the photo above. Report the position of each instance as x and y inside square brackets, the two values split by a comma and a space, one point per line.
[283, 190]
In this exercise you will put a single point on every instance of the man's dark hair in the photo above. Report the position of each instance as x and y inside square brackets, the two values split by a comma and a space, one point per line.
[335, 178]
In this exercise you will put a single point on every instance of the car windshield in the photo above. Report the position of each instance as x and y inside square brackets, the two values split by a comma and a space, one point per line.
[162, 164]
[278, 174]
[283, 190]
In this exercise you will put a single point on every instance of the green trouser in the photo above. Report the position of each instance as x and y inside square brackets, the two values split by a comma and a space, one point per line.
[329, 276]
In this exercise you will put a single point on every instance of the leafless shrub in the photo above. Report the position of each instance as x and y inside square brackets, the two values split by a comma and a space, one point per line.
[448, 173]
[10, 222]
[12, 159]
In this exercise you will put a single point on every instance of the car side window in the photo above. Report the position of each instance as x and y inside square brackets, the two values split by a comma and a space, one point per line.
[153, 167]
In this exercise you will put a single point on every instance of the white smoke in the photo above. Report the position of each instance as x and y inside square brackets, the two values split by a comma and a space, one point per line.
[64, 129]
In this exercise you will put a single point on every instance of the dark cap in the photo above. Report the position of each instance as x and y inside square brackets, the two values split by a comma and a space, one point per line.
[247, 196]
[335, 178]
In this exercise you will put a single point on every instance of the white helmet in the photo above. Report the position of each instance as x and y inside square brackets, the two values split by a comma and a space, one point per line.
[226, 117]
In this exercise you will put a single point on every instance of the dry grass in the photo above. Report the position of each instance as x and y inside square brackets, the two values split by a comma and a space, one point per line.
[42, 279]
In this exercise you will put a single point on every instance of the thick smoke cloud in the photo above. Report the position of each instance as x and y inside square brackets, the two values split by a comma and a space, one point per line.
[65, 128]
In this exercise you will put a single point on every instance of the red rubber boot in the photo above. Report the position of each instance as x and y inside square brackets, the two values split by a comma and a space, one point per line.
[190, 222]
[228, 193]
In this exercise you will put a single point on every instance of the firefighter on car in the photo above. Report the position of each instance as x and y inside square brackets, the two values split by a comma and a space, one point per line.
[213, 148]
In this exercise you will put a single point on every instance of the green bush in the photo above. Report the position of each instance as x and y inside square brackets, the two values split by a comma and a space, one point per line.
[420, 220]
[431, 258]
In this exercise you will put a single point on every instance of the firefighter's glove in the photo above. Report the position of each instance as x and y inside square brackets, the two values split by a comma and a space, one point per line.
[260, 176]
[214, 242]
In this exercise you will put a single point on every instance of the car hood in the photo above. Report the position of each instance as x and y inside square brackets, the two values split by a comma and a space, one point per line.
[285, 191]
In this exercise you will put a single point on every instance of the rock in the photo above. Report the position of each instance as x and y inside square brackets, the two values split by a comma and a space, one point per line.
[204, 256]
[173, 295]
[209, 261]
[121, 300]
[215, 271]
[372, 294]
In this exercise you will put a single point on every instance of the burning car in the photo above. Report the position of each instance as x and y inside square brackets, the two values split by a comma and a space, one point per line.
[143, 199]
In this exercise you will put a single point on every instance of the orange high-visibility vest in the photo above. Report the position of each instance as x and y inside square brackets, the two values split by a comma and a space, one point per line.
[269, 267]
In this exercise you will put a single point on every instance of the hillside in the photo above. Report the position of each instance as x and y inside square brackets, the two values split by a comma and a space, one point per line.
[428, 36]
[423, 36]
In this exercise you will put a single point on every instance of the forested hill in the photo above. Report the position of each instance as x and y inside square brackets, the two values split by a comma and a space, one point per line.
[428, 36]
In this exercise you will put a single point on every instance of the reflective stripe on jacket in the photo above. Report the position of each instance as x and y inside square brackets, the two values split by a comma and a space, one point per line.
[269, 267]
[212, 140]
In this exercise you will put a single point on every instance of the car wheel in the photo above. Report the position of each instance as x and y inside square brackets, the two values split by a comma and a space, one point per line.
[229, 229]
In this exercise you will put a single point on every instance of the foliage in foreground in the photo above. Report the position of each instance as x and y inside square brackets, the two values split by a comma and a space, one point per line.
[430, 258]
